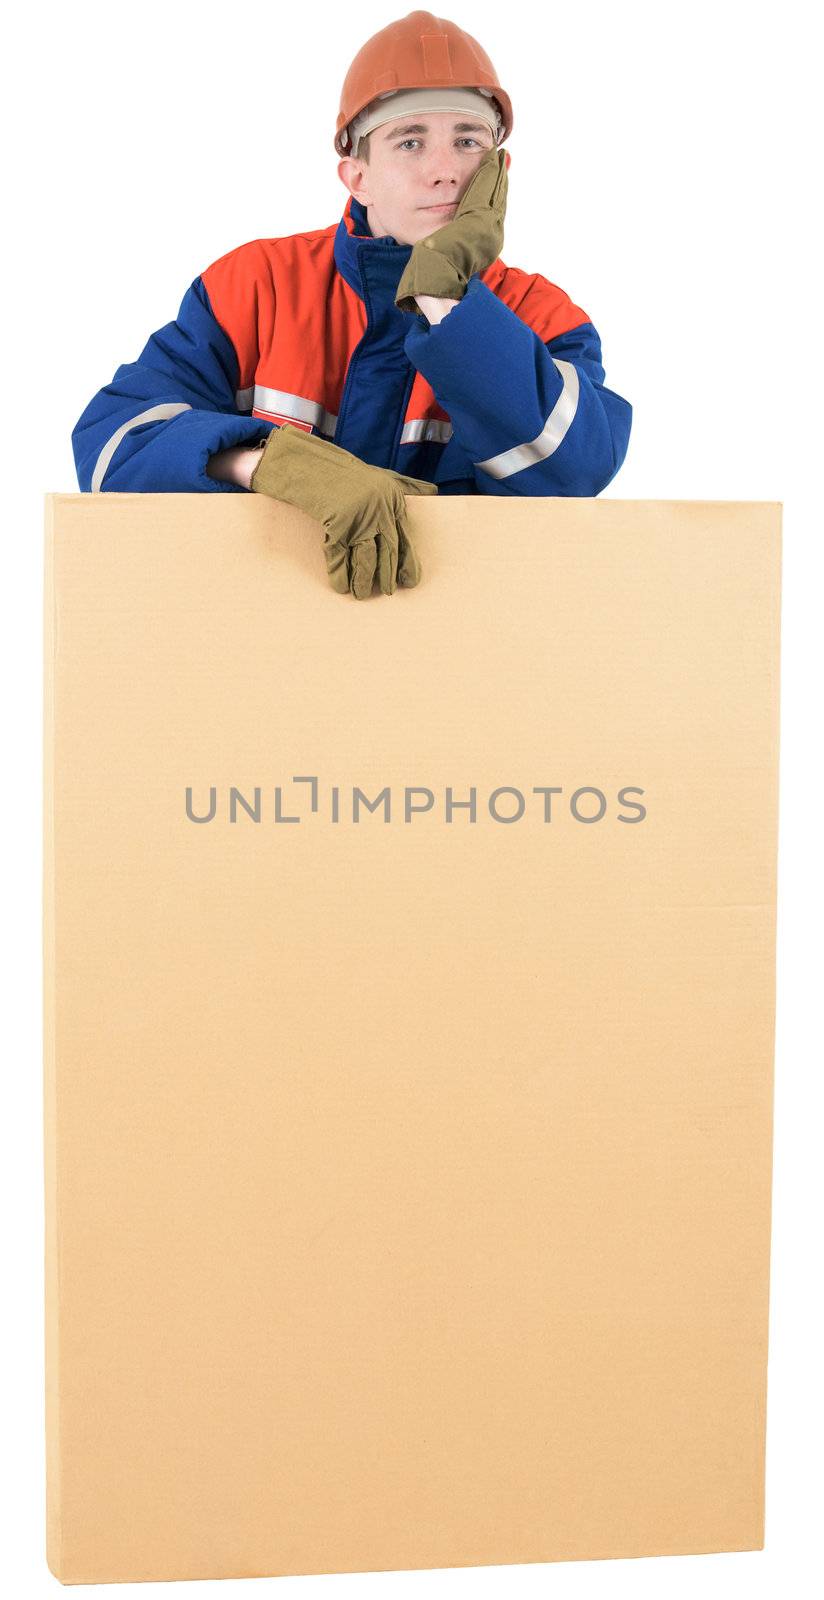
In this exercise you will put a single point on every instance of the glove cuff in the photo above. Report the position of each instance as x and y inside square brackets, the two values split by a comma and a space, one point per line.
[292, 468]
[429, 272]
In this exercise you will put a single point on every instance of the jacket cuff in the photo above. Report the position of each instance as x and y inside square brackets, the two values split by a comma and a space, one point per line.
[170, 457]
[489, 371]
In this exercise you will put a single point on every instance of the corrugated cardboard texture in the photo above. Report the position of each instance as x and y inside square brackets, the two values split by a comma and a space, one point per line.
[408, 1182]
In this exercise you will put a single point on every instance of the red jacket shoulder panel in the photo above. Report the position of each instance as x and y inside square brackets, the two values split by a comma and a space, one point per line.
[291, 282]
[241, 291]
[545, 307]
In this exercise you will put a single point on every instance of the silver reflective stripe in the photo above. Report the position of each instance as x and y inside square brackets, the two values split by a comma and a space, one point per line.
[154, 414]
[550, 436]
[244, 399]
[279, 404]
[426, 428]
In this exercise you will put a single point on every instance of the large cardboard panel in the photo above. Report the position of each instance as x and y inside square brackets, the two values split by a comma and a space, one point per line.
[407, 1174]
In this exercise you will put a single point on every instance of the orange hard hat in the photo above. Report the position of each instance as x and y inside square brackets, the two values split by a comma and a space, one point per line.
[417, 52]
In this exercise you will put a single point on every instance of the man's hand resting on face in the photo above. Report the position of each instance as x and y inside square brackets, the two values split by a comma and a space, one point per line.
[443, 263]
[362, 508]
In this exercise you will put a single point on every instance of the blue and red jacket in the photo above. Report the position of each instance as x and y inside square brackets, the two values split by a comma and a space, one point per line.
[504, 396]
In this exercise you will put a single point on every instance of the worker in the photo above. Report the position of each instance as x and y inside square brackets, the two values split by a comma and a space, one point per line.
[390, 354]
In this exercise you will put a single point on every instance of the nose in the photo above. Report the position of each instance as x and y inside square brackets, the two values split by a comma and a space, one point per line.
[444, 172]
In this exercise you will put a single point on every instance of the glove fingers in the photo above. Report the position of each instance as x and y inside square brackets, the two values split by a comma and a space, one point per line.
[337, 568]
[388, 562]
[409, 567]
[484, 188]
[501, 189]
[364, 562]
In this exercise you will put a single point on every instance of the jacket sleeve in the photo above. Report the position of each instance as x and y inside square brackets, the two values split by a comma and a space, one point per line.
[154, 427]
[533, 418]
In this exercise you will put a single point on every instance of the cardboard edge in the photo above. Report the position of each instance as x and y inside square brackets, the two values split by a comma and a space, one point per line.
[54, 1540]
[71, 495]
[777, 532]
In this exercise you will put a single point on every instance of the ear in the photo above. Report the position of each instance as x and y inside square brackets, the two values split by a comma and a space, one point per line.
[353, 175]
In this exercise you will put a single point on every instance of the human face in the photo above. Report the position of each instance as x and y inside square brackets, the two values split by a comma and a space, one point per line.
[419, 168]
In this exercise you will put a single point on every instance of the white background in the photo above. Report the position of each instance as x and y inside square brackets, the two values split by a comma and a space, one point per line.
[666, 172]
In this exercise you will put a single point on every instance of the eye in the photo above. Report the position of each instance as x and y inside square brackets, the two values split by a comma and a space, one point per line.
[466, 140]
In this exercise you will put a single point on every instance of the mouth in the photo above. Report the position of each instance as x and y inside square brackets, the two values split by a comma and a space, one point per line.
[449, 206]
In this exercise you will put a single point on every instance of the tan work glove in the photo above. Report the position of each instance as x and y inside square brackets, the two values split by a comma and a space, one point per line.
[443, 263]
[362, 508]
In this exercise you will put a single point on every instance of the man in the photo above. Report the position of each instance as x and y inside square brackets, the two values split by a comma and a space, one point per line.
[393, 353]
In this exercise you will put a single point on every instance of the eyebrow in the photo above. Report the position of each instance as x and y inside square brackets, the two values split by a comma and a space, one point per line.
[421, 127]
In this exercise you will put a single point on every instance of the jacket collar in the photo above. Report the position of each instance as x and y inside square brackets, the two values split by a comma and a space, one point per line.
[354, 240]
